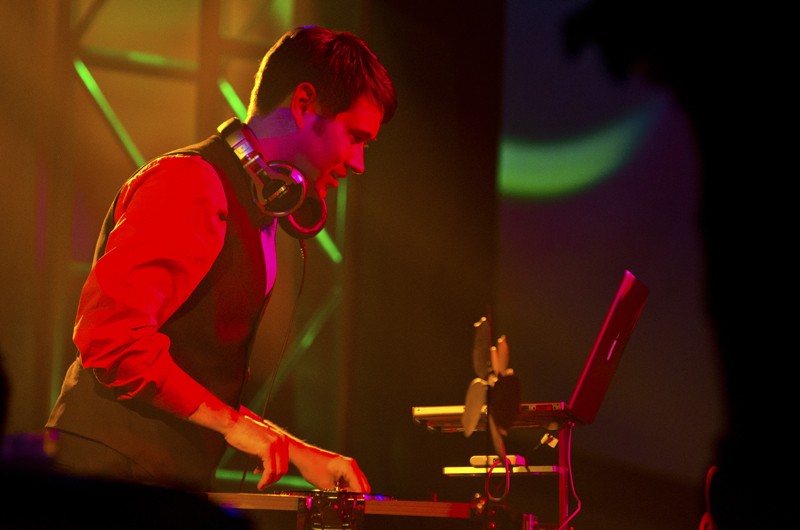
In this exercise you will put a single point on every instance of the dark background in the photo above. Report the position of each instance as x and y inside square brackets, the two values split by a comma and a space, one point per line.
[429, 239]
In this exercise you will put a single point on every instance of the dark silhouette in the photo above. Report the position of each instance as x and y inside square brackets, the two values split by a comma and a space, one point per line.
[711, 59]
[38, 498]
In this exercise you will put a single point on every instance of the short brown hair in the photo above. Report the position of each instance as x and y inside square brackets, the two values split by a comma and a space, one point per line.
[339, 64]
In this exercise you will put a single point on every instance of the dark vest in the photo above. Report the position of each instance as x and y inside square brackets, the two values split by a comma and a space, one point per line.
[211, 337]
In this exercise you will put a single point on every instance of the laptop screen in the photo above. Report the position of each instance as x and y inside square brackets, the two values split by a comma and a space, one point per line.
[621, 318]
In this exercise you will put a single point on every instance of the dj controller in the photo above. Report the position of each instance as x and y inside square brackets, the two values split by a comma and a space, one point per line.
[342, 510]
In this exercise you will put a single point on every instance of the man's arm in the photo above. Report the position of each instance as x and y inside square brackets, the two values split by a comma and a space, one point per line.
[323, 469]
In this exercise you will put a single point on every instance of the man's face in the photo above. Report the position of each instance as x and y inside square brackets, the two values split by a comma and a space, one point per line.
[334, 146]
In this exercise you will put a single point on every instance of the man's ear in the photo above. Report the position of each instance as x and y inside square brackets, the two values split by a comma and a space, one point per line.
[303, 99]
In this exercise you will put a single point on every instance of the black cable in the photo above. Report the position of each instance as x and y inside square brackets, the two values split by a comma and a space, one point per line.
[283, 348]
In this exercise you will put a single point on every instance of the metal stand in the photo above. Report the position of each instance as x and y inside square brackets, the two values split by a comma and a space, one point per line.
[448, 419]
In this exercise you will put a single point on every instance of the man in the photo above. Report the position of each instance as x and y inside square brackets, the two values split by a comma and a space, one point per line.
[184, 267]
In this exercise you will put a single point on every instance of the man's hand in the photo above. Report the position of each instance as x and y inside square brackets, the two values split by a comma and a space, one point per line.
[327, 470]
[350, 476]
[269, 444]
[275, 448]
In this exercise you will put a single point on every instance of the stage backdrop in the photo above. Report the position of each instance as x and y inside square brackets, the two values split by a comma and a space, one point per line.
[515, 177]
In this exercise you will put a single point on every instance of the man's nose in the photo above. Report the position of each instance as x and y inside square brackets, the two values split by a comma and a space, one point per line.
[356, 161]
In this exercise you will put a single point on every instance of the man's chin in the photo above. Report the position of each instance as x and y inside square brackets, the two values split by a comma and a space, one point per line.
[322, 190]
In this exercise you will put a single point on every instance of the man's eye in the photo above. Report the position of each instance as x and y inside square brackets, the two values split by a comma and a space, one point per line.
[360, 139]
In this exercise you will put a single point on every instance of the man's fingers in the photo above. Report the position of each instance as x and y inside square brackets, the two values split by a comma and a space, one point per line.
[266, 480]
[349, 475]
[270, 474]
[355, 482]
[273, 466]
[363, 485]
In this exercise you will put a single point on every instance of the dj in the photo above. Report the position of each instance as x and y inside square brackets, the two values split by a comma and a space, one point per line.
[184, 267]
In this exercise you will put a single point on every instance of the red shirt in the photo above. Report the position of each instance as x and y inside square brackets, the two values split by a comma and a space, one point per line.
[169, 228]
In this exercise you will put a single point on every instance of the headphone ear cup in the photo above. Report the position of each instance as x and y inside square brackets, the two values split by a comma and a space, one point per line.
[307, 220]
[278, 188]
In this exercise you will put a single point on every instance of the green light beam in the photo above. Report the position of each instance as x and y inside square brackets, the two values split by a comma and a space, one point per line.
[108, 112]
[232, 98]
[300, 346]
[552, 169]
[287, 481]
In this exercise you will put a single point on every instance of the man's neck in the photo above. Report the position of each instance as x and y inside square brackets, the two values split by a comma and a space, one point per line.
[277, 123]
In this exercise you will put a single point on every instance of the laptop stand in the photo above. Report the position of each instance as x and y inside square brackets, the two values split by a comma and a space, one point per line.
[452, 423]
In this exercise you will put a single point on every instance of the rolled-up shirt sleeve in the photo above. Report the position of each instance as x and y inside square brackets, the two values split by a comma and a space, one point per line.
[169, 227]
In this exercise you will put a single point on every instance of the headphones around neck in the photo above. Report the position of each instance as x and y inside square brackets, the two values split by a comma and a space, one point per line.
[279, 189]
